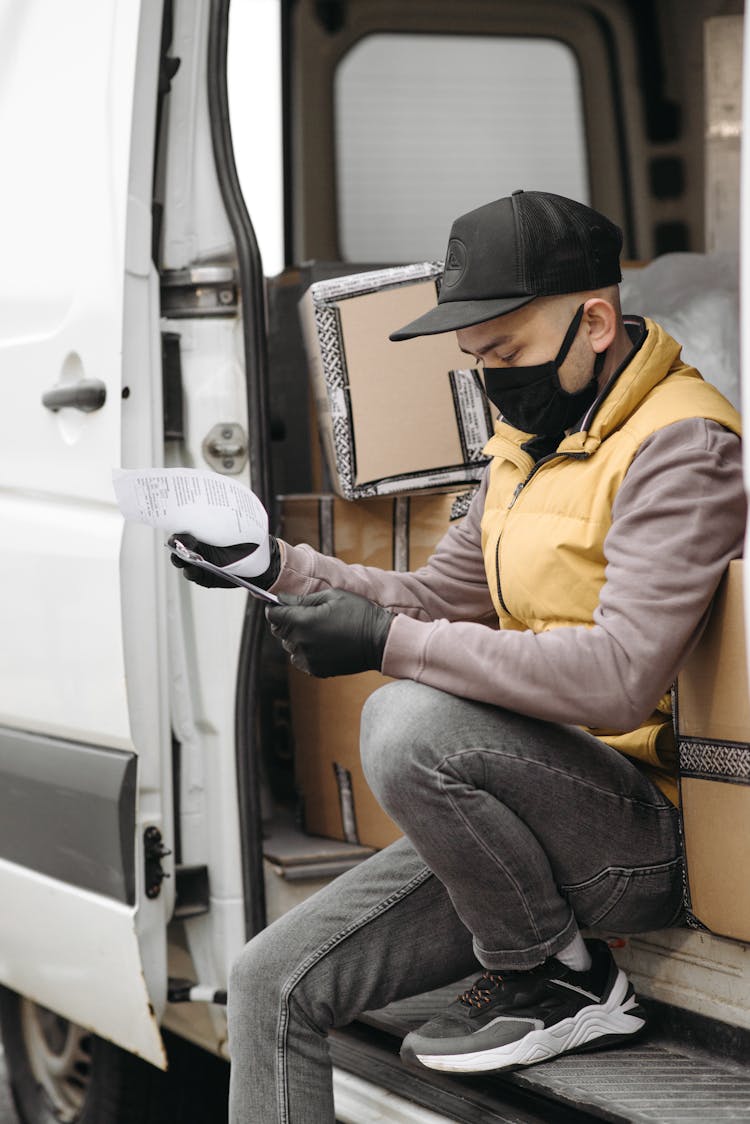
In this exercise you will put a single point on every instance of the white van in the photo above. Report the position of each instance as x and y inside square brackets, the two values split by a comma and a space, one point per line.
[144, 753]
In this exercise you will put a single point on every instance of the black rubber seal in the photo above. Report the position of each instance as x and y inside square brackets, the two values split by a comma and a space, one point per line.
[252, 296]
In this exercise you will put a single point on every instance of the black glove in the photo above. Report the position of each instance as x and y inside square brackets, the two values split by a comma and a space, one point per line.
[224, 556]
[331, 632]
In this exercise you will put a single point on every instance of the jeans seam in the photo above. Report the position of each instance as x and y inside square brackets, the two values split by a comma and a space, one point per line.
[615, 897]
[302, 1014]
[626, 879]
[497, 861]
[282, 1100]
[629, 871]
[666, 806]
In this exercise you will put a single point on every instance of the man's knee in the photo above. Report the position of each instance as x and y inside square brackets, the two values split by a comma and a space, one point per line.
[255, 977]
[412, 732]
[268, 978]
[397, 721]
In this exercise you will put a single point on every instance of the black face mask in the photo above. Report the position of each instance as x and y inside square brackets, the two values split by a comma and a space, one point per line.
[532, 399]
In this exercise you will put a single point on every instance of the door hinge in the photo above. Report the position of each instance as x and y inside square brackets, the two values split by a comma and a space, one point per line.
[153, 852]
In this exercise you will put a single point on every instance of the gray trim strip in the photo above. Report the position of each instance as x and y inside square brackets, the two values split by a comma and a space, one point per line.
[67, 810]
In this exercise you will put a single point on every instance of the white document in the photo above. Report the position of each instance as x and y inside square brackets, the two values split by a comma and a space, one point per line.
[214, 508]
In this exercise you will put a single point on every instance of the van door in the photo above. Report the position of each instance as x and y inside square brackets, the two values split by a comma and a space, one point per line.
[84, 737]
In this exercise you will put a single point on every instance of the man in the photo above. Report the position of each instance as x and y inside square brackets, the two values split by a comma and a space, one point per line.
[531, 765]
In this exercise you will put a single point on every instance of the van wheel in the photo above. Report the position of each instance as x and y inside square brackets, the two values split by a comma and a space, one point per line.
[60, 1073]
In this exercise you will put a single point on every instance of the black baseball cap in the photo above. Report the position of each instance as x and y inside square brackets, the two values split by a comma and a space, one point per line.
[503, 255]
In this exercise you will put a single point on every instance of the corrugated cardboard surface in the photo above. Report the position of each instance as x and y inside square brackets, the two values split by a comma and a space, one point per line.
[393, 417]
[326, 712]
[713, 690]
[367, 531]
[713, 735]
[402, 405]
[325, 721]
[716, 820]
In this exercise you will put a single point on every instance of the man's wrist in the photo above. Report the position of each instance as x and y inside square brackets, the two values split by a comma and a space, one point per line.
[269, 576]
[380, 629]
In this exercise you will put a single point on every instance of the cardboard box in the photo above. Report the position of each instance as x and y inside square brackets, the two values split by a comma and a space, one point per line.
[393, 417]
[713, 726]
[400, 534]
[336, 799]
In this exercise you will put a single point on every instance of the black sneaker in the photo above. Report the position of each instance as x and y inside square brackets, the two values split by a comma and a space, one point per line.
[511, 1019]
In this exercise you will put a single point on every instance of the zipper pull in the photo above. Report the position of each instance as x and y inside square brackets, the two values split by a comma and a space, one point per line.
[516, 494]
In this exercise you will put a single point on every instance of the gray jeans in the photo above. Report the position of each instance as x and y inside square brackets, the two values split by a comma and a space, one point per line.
[519, 831]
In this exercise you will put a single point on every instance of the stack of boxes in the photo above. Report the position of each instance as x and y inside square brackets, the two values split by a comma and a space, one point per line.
[402, 428]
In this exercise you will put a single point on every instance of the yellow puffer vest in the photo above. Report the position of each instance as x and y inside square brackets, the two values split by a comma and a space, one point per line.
[543, 527]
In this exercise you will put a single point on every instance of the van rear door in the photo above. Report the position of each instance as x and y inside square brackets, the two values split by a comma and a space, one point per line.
[84, 735]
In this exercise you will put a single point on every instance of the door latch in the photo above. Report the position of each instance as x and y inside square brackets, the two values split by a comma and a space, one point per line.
[153, 852]
[199, 292]
[225, 448]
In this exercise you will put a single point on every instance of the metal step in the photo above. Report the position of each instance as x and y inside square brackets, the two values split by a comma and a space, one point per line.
[655, 1080]
[652, 1084]
[372, 1055]
[297, 856]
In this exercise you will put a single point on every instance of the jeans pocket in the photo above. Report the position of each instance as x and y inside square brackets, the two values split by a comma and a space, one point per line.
[629, 900]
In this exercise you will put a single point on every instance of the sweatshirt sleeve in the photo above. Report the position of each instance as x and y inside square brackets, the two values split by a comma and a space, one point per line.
[678, 520]
[452, 586]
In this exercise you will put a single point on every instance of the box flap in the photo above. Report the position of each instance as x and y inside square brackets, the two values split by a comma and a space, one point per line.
[393, 417]
[401, 396]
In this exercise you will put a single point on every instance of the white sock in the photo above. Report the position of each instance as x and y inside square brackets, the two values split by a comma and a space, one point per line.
[575, 955]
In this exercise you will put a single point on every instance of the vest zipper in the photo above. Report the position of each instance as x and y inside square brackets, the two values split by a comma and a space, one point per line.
[511, 503]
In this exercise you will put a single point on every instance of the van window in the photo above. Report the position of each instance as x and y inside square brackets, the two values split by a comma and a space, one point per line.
[431, 126]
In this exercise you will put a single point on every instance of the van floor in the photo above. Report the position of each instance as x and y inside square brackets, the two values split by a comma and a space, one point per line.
[664, 1077]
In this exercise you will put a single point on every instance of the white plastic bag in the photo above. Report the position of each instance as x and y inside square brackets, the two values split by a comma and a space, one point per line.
[695, 297]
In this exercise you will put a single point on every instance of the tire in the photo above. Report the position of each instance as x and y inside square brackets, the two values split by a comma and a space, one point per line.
[60, 1073]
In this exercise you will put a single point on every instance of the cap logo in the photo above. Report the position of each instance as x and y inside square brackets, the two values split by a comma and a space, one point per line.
[455, 263]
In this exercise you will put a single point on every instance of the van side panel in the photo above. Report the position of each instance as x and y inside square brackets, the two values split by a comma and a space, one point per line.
[88, 968]
[83, 736]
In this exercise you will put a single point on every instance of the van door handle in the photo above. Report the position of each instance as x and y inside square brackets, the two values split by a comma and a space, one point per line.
[86, 395]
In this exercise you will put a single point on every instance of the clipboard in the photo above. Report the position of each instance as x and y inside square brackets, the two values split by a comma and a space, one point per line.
[195, 559]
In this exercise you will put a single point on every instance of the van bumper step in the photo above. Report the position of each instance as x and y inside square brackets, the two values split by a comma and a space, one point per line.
[374, 1056]
[658, 1079]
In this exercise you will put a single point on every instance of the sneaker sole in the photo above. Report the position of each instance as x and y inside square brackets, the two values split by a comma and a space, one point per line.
[617, 1018]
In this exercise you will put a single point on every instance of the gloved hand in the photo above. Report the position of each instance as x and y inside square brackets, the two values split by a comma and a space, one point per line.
[331, 632]
[241, 558]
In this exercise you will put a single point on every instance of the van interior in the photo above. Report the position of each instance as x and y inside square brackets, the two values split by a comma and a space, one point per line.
[396, 118]
[380, 122]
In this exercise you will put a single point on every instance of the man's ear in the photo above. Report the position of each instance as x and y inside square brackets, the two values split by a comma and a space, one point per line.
[600, 319]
